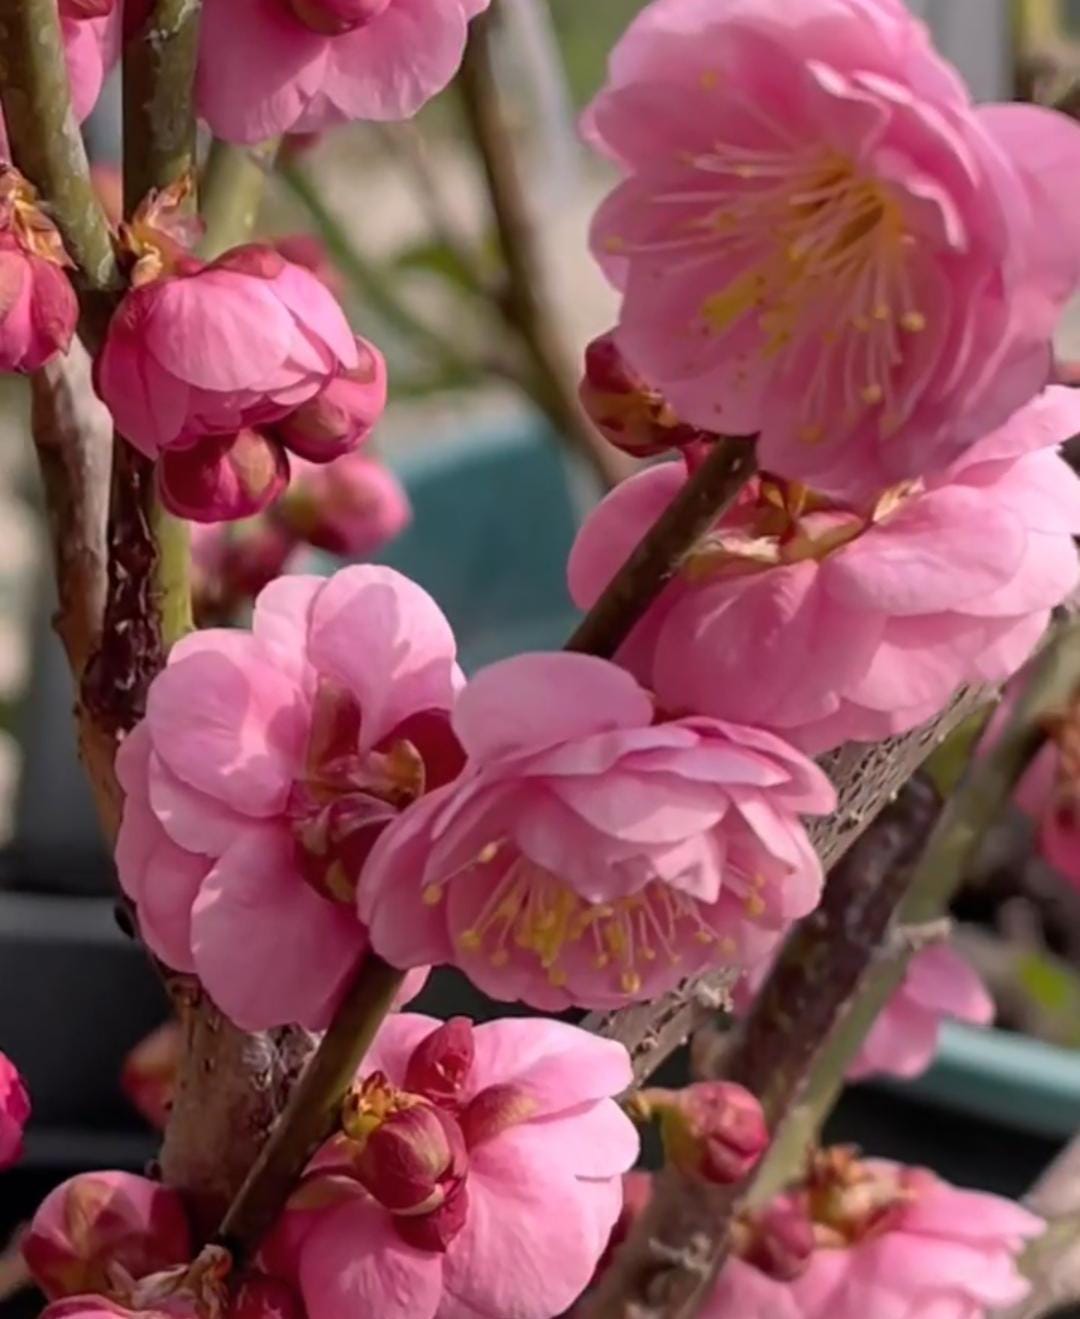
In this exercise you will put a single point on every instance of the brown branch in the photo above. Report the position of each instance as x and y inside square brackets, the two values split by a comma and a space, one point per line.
[836, 972]
[703, 499]
[313, 1108]
[552, 380]
[231, 192]
[46, 143]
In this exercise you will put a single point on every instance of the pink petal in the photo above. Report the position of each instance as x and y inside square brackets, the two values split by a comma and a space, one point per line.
[933, 553]
[393, 1046]
[515, 1257]
[593, 1140]
[559, 1066]
[254, 912]
[942, 980]
[353, 1263]
[534, 701]
[227, 721]
[281, 620]
[385, 639]
[192, 819]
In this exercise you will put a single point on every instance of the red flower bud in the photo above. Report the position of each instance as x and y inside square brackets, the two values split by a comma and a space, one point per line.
[440, 1064]
[333, 17]
[224, 477]
[626, 409]
[94, 1223]
[778, 1241]
[339, 418]
[412, 1159]
[714, 1130]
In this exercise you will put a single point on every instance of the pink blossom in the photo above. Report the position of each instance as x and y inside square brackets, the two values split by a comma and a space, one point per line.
[38, 308]
[91, 33]
[14, 1112]
[212, 349]
[830, 622]
[891, 1241]
[93, 1225]
[531, 1147]
[310, 252]
[939, 984]
[589, 855]
[350, 507]
[266, 766]
[223, 477]
[311, 64]
[820, 239]
[232, 562]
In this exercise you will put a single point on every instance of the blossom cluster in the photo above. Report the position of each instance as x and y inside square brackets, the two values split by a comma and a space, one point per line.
[818, 241]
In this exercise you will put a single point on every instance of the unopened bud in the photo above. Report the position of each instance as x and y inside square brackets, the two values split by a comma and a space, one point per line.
[439, 1066]
[714, 1130]
[626, 409]
[349, 507]
[221, 478]
[14, 1112]
[89, 1225]
[412, 1159]
[339, 418]
[779, 1240]
[333, 17]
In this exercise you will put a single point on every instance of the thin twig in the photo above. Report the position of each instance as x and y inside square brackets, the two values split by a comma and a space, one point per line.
[836, 972]
[231, 192]
[656, 560]
[553, 377]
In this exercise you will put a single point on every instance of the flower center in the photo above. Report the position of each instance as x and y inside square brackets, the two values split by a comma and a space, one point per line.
[819, 257]
[332, 18]
[534, 912]
[782, 522]
[347, 796]
[849, 1200]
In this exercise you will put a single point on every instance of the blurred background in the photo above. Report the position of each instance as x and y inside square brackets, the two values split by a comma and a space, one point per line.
[481, 438]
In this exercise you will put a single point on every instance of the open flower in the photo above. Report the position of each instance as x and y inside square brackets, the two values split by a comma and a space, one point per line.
[311, 64]
[496, 1186]
[822, 240]
[38, 308]
[938, 985]
[829, 622]
[267, 764]
[97, 1230]
[890, 1240]
[14, 1112]
[209, 349]
[590, 855]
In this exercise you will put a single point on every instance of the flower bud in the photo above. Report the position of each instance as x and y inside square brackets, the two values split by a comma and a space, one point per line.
[439, 1066]
[342, 415]
[333, 17]
[779, 1240]
[95, 1222]
[38, 308]
[223, 477]
[714, 1130]
[626, 410]
[351, 507]
[14, 1112]
[412, 1159]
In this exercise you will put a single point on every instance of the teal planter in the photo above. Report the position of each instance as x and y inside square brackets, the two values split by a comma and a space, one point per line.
[1011, 1079]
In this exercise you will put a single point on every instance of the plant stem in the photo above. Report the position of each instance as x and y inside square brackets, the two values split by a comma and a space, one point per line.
[312, 1111]
[368, 281]
[704, 498]
[46, 143]
[836, 972]
[552, 381]
[231, 191]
